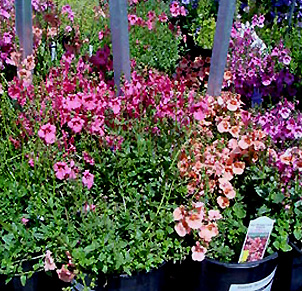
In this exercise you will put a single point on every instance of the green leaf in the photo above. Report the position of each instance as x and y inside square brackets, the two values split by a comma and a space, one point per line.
[23, 280]
[297, 234]
[239, 210]
[277, 197]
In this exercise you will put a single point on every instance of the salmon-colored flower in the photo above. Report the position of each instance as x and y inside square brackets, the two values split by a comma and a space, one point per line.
[198, 252]
[230, 193]
[287, 157]
[227, 75]
[65, 275]
[238, 168]
[258, 145]
[194, 220]
[181, 229]
[233, 105]
[49, 263]
[207, 232]
[234, 131]
[179, 213]
[223, 202]
[245, 142]
[223, 126]
[214, 215]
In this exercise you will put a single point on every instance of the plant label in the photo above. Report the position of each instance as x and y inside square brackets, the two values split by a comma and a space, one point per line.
[256, 239]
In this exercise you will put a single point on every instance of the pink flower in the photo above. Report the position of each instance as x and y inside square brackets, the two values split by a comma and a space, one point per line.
[76, 124]
[24, 220]
[88, 207]
[65, 275]
[62, 170]
[178, 213]
[48, 133]
[208, 231]
[286, 60]
[181, 229]
[163, 17]
[101, 35]
[132, 19]
[198, 252]
[183, 11]
[174, 9]
[223, 202]
[68, 29]
[115, 105]
[214, 215]
[49, 263]
[194, 220]
[88, 159]
[88, 179]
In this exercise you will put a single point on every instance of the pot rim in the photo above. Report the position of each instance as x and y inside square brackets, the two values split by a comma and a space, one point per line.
[244, 265]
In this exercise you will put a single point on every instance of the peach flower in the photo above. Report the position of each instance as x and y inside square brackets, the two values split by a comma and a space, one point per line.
[223, 202]
[194, 220]
[238, 168]
[245, 142]
[178, 213]
[233, 105]
[198, 252]
[181, 229]
[214, 215]
[207, 232]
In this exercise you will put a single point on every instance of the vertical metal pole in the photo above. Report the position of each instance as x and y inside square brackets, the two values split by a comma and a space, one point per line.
[24, 26]
[290, 14]
[120, 40]
[224, 24]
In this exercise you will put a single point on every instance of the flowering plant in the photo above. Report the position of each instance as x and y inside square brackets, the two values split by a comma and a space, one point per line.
[104, 167]
[224, 144]
[258, 73]
[281, 176]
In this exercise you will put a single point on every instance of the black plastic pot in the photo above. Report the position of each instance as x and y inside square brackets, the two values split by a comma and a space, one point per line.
[15, 284]
[211, 275]
[154, 280]
[50, 282]
[296, 275]
[289, 275]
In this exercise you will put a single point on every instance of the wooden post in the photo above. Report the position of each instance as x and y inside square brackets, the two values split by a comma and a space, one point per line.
[120, 40]
[224, 24]
[24, 26]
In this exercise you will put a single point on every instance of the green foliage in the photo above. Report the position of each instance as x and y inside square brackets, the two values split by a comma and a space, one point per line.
[156, 48]
[203, 28]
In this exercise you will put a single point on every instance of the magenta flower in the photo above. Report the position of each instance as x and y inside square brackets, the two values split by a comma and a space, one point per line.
[47, 132]
[88, 159]
[286, 60]
[76, 124]
[88, 179]
[62, 170]
[24, 220]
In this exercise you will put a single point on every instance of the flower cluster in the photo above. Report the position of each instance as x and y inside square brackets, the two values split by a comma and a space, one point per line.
[194, 73]
[150, 22]
[255, 71]
[7, 34]
[177, 10]
[282, 123]
[224, 143]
